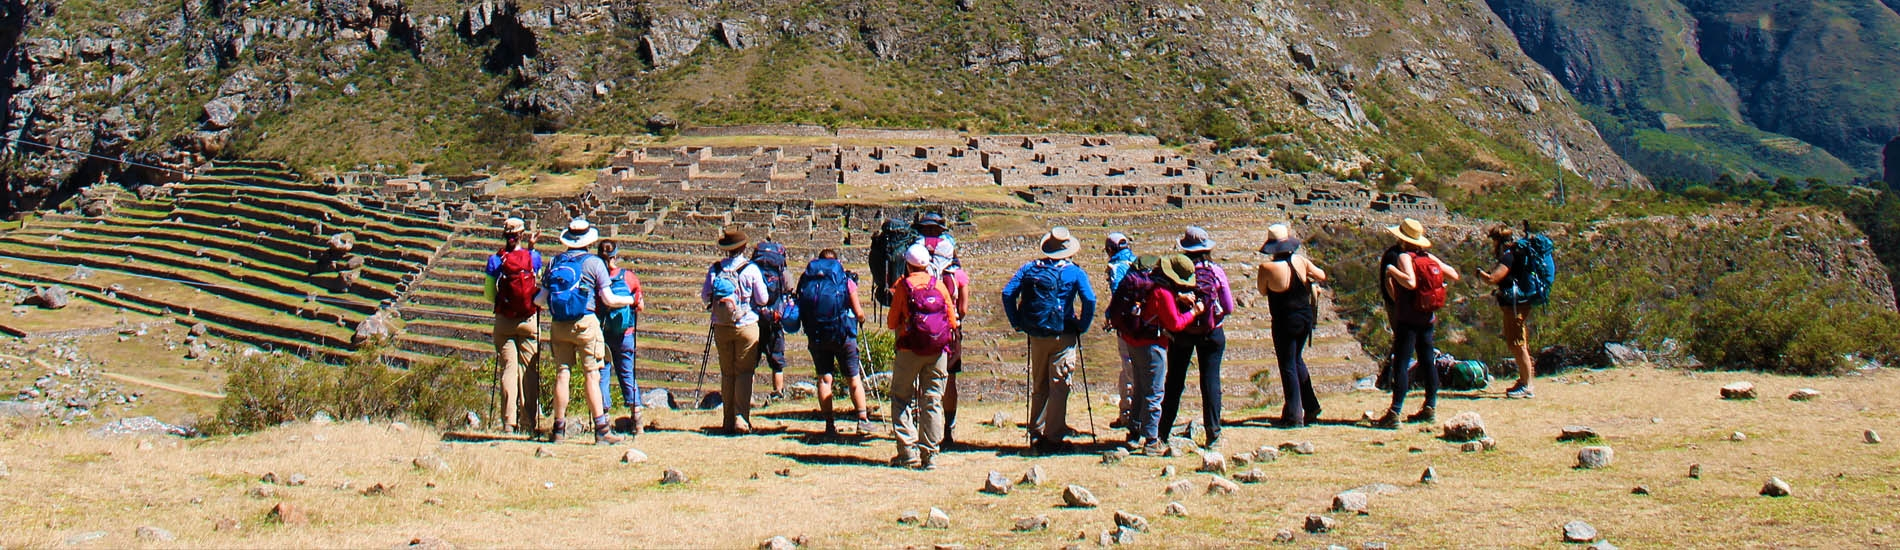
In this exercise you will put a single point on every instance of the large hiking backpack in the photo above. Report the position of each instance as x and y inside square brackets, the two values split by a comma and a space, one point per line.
[741, 293]
[516, 285]
[770, 257]
[928, 330]
[824, 302]
[1430, 286]
[1118, 267]
[1207, 290]
[887, 257]
[1453, 375]
[616, 321]
[567, 297]
[1534, 270]
[1125, 313]
[1040, 287]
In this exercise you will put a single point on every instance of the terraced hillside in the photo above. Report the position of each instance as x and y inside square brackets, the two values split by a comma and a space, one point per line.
[236, 247]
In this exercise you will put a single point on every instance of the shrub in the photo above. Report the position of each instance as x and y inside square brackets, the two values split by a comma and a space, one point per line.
[876, 347]
[1293, 161]
[1788, 321]
[268, 390]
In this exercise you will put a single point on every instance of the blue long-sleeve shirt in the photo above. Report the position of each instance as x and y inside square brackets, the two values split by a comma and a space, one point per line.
[1074, 284]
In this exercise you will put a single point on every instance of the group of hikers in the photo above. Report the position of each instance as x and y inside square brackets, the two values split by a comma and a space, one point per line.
[1167, 312]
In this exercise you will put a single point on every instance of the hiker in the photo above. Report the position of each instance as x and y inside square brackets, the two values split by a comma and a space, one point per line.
[1148, 304]
[735, 326]
[1413, 283]
[512, 284]
[619, 325]
[924, 323]
[1290, 281]
[1040, 302]
[1120, 258]
[886, 258]
[769, 257]
[932, 234]
[1518, 292]
[575, 286]
[1203, 339]
[829, 311]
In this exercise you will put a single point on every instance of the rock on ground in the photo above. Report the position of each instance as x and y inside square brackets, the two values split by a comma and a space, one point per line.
[1739, 390]
[1217, 485]
[1465, 426]
[1320, 524]
[1804, 394]
[431, 463]
[424, 543]
[543, 452]
[672, 477]
[1738, 436]
[1298, 447]
[285, 513]
[1212, 462]
[1577, 531]
[1075, 496]
[1872, 437]
[1595, 457]
[1114, 456]
[1266, 454]
[1037, 523]
[1286, 535]
[910, 517]
[996, 484]
[1775, 487]
[633, 456]
[1000, 420]
[1430, 475]
[1175, 509]
[777, 543]
[1695, 471]
[1180, 487]
[1251, 476]
[1352, 502]
[155, 534]
[1577, 433]
[1035, 477]
[1129, 520]
[938, 519]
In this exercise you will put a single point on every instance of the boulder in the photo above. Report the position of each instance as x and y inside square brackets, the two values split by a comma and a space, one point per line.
[1320, 524]
[543, 452]
[1212, 462]
[1738, 436]
[1695, 471]
[1114, 456]
[197, 350]
[1035, 477]
[1298, 447]
[285, 513]
[672, 477]
[262, 492]
[633, 456]
[1075, 496]
[777, 543]
[1180, 487]
[1804, 394]
[1871, 437]
[1284, 536]
[224, 525]
[1465, 426]
[199, 330]
[1640, 490]
[1251, 476]
[1738, 390]
[53, 297]
[1129, 520]
[1622, 356]
[1775, 487]
[1175, 509]
[1577, 433]
[802, 390]
[1589, 458]
[296, 480]
[1217, 485]
[154, 534]
[1000, 419]
[996, 484]
[431, 463]
[658, 399]
[1577, 531]
[1429, 477]
[1036, 523]
[1265, 455]
[1167, 471]
[1352, 502]
[938, 519]
[910, 517]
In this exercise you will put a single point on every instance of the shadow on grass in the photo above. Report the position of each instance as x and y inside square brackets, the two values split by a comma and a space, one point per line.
[814, 459]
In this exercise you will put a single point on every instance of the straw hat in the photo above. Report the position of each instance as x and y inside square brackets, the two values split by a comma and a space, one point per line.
[732, 239]
[579, 234]
[1178, 269]
[1058, 244]
[513, 225]
[1196, 239]
[1280, 240]
[1411, 231]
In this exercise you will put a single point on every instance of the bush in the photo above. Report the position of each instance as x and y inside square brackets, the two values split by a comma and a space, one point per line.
[876, 347]
[1788, 322]
[268, 390]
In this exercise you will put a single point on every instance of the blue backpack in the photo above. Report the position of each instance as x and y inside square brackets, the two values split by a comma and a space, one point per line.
[615, 322]
[824, 302]
[1042, 299]
[567, 297]
[1533, 273]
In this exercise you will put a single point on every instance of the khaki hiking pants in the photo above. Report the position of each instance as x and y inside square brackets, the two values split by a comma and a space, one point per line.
[1051, 362]
[516, 341]
[738, 360]
[578, 340]
[917, 385]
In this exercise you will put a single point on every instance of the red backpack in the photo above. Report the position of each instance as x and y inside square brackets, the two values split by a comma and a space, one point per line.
[1431, 283]
[516, 285]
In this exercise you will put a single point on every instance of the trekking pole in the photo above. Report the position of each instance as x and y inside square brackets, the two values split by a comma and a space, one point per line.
[1082, 366]
[705, 356]
[1029, 392]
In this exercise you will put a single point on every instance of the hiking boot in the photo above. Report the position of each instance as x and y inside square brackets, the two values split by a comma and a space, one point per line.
[1119, 423]
[831, 429]
[1051, 447]
[1312, 417]
[1155, 448]
[928, 463]
[560, 429]
[865, 427]
[1424, 414]
[901, 461]
[1389, 421]
[1519, 392]
[603, 436]
[1213, 443]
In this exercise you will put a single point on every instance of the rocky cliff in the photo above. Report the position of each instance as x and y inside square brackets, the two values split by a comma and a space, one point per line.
[1697, 88]
[1394, 87]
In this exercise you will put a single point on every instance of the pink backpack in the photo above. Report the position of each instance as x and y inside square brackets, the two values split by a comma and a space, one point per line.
[929, 329]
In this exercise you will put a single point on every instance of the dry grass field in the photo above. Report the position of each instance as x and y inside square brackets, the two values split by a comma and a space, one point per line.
[64, 486]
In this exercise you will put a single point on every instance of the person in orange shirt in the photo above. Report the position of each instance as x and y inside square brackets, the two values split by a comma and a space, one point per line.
[923, 317]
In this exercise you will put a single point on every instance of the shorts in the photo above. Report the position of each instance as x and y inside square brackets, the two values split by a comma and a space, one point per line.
[1517, 332]
[772, 346]
[831, 357]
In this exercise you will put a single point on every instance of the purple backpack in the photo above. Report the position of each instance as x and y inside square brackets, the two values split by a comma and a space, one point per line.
[929, 326]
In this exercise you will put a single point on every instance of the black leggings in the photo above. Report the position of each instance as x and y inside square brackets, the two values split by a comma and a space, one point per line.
[1185, 349]
[1409, 340]
[1289, 347]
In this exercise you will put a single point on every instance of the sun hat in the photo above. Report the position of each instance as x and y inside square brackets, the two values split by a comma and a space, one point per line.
[1115, 242]
[1178, 269]
[917, 255]
[1058, 244]
[732, 239]
[929, 219]
[1280, 240]
[1196, 239]
[1146, 262]
[579, 234]
[1411, 231]
[513, 225]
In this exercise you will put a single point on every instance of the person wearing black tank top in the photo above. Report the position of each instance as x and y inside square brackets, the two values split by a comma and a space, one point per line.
[1289, 282]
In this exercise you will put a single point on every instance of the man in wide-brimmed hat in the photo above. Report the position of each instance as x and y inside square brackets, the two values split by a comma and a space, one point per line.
[513, 281]
[1040, 301]
[736, 329]
[576, 285]
[1402, 282]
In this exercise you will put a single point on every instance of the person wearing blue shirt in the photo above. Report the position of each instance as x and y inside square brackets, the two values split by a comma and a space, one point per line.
[1121, 257]
[513, 279]
[1040, 302]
